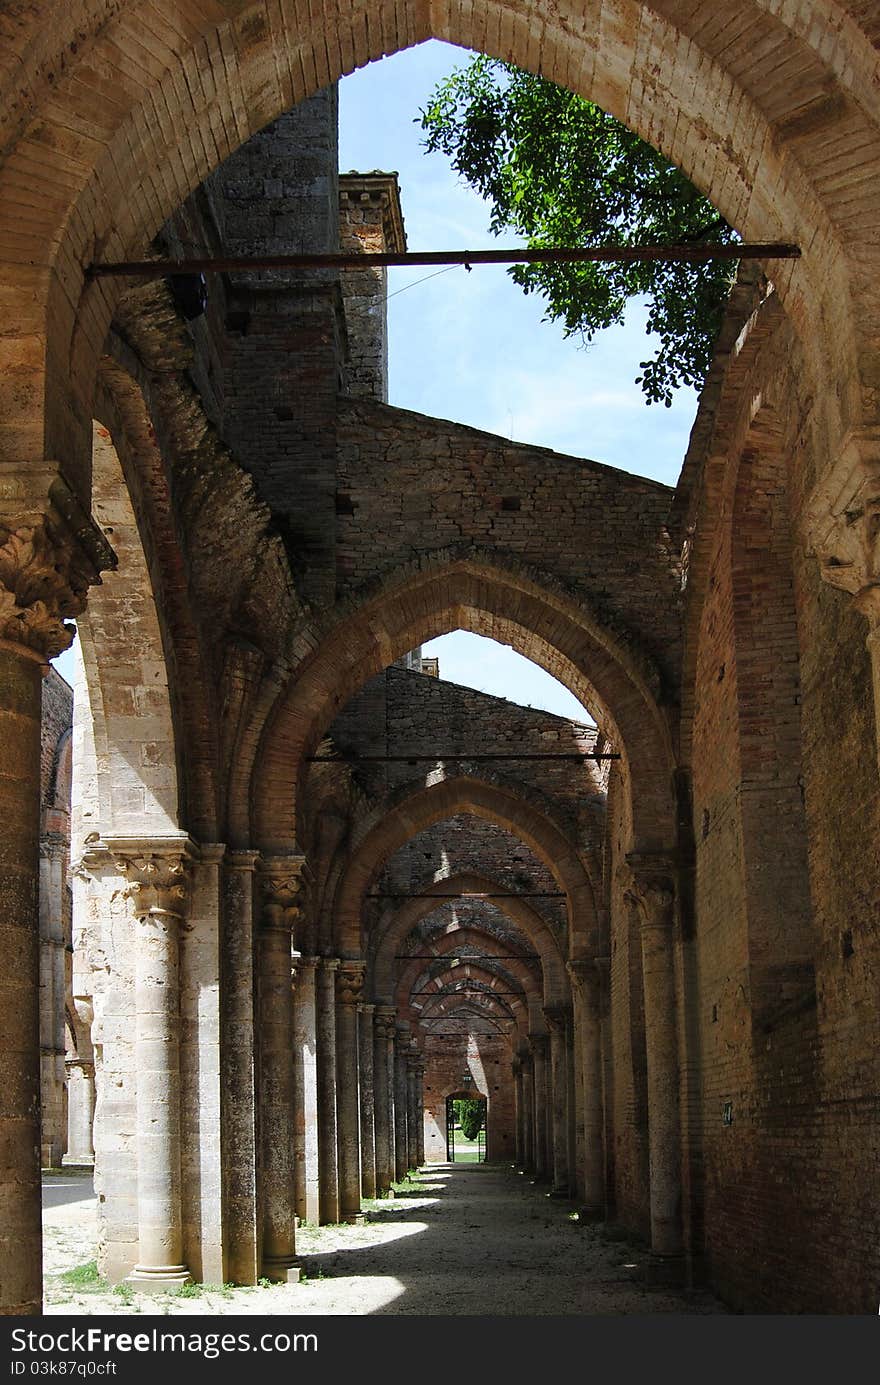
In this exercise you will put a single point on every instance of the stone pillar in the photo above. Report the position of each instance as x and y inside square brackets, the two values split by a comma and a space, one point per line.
[414, 1117]
[52, 1000]
[540, 1045]
[328, 1170]
[158, 874]
[557, 1020]
[401, 1100]
[280, 886]
[528, 1123]
[654, 893]
[238, 1099]
[305, 1079]
[50, 553]
[80, 1111]
[588, 1045]
[368, 1100]
[349, 988]
[383, 1092]
[842, 522]
[516, 1068]
[420, 1112]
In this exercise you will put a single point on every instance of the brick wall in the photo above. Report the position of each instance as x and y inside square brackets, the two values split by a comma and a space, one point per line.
[488, 1060]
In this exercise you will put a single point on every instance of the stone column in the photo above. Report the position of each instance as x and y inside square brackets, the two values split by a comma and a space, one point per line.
[328, 1170]
[540, 1045]
[401, 1100]
[413, 1107]
[280, 886]
[305, 1079]
[588, 1045]
[557, 1020]
[50, 553]
[420, 1112]
[516, 1069]
[349, 988]
[654, 893]
[80, 1111]
[52, 1000]
[528, 1124]
[158, 873]
[383, 1091]
[238, 1099]
[368, 1100]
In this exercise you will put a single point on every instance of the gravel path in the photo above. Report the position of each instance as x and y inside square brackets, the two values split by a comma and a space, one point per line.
[467, 1239]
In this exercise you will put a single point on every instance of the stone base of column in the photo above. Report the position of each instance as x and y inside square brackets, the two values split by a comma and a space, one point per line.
[354, 1218]
[280, 1269]
[158, 1279]
[591, 1214]
[78, 1161]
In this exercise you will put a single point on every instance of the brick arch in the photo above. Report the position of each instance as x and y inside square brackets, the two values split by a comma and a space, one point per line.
[442, 1000]
[519, 911]
[443, 800]
[510, 971]
[753, 111]
[517, 607]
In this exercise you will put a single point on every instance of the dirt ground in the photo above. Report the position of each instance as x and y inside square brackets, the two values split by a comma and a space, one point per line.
[467, 1239]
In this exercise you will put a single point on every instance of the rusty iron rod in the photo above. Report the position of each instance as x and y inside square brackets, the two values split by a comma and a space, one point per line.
[602, 254]
[468, 894]
[455, 755]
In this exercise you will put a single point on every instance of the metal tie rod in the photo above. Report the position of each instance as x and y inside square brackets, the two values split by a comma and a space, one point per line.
[469, 894]
[602, 254]
[458, 755]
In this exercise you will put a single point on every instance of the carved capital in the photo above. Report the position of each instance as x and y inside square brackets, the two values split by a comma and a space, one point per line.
[557, 1017]
[585, 978]
[652, 888]
[51, 552]
[281, 885]
[350, 983]
[843, 521]
[539, 1044]
[158, 881]
[385, 1021]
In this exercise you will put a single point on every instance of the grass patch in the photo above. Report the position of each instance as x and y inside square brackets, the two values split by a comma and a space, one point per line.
[84, 1276]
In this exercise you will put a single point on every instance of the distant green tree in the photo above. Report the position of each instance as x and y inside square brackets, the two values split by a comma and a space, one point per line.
[559, 171]
[470, 1116]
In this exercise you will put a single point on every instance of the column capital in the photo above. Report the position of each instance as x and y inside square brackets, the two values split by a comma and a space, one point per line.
[241, 860]
[85, 1065]
[350, 982]
[652, 887]
[842, 521]
[384, 1021]
[557, 1017]
[51, 552]
[366, 1007]
[280, 889]
[539, 1044]
[329, 964]
[584, 973]
[158, 871]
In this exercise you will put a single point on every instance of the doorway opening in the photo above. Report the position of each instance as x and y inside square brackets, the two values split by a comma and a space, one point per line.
[465, 1128]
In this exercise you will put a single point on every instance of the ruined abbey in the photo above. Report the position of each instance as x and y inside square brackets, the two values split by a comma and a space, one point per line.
[272, 889]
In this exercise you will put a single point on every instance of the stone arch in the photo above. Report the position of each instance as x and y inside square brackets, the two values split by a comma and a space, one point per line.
[525, 610]
[126, 673]
[752, 111]
[519, 911]
[442, 800]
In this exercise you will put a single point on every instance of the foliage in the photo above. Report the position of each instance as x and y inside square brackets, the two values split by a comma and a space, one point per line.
[561, 172]
[469, 1114]
[84, 1276]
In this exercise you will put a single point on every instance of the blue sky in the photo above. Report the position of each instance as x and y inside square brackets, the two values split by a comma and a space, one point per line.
[471, 347]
